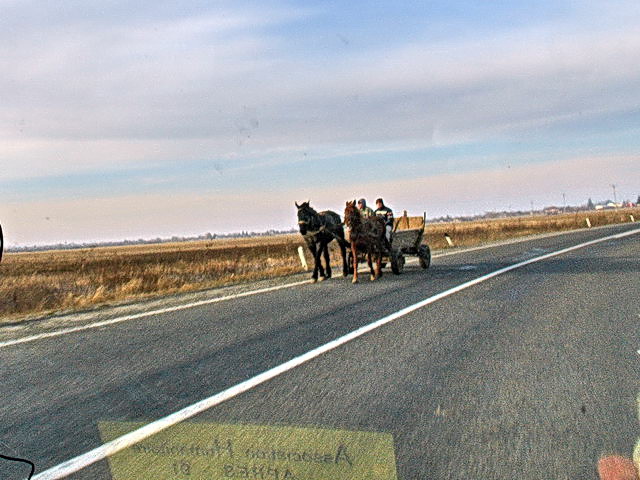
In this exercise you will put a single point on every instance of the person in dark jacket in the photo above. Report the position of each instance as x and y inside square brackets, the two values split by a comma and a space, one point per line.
[386, 213]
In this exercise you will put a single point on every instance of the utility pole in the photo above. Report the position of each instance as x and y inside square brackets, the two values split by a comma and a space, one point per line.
[564, 202]
[532, 208]
[614, 195]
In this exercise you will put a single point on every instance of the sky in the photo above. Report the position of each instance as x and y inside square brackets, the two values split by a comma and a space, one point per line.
[126, 120]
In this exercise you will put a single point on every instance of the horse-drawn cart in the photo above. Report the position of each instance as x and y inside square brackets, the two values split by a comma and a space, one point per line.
[404, 241]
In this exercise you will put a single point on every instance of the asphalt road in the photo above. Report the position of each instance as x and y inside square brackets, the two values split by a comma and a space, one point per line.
[532, 374]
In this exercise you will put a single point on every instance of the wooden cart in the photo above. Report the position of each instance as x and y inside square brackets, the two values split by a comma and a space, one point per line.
[408, 241]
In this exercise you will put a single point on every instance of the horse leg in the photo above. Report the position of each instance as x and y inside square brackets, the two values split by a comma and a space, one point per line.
[312, 248]
[354, 254]
[318, 260]
[343, 252]
[373, 275]
[379, 262]
[327, 260]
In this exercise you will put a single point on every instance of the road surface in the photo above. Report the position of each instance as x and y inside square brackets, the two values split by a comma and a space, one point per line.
[530, 374]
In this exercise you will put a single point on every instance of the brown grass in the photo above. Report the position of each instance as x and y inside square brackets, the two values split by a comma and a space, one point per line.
[484, 231]
[42, 282]
[62, 280]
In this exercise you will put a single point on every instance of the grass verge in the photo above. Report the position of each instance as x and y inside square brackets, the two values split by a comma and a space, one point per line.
[40, 283]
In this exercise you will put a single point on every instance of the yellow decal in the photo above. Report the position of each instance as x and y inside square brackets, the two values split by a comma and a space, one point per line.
[218, 451]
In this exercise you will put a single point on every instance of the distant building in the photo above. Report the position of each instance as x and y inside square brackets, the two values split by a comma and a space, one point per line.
[551, 210]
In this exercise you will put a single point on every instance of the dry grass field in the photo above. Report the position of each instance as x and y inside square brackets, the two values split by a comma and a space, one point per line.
[466, 234]
[34, 284]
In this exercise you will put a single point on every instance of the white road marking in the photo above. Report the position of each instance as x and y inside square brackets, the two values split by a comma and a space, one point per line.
[103, 323]
[528, 238]
[100, 453]
[185, 306]
[125, 318]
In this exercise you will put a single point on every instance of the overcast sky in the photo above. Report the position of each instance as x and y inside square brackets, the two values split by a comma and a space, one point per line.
[123, 119]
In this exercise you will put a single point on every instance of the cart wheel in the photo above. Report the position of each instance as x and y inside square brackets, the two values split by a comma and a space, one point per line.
[424, 256]
[397, 262]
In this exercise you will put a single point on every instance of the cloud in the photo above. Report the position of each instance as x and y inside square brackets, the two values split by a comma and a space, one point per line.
[118, 87]
[498, 188]
[151, 215]
[192, 78]
[136, 216]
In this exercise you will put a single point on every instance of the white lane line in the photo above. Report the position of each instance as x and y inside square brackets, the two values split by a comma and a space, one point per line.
[125, 318]
[100, 453]
[185, 306]
[528, 238]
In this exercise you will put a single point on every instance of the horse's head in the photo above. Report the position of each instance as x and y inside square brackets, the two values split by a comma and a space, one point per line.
[351, 214]
[307, 217]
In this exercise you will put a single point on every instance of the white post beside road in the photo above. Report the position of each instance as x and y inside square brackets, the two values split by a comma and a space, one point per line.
[632, 219]
[588, 222]
[448, 238]
[302, 259]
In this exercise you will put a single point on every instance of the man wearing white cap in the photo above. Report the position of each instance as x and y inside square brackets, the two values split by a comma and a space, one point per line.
[364, 210]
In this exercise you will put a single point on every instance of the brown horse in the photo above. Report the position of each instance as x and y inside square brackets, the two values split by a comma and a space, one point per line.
[366, 235]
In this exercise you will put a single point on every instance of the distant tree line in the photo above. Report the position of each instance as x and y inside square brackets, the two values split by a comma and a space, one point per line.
[519, 213]
[148, 241]
[246, 234]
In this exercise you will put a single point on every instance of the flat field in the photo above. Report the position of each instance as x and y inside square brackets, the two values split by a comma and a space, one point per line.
[39, 283]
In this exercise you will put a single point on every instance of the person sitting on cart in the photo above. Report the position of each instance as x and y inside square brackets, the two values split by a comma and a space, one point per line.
[387, 214]
[364, 210]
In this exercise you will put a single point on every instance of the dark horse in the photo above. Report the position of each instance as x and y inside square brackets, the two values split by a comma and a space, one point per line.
[318, 230]
[366, 235]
